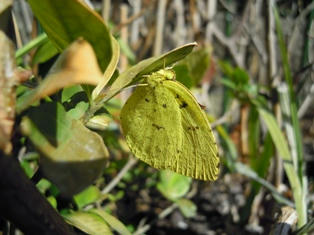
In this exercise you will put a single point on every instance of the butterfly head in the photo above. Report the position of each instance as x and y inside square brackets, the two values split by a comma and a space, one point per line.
[168, 74]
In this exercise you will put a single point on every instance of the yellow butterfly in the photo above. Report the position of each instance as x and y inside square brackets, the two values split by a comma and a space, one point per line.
[165, 127]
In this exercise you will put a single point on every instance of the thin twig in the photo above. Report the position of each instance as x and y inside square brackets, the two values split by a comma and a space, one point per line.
[308, 101]
[131, 162]
[180, 32]
[105, 12]
[293, 41]
[258, 44]
[17, 32]
[211, 12]
[137, 22]
[160, 27]
[271, 45]
[230, 43]
[227, 116]
[128, 21]
[227, 7]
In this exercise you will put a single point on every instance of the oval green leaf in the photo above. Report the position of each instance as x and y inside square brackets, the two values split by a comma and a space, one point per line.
[89, 223]
[65, 21]
[172, 185]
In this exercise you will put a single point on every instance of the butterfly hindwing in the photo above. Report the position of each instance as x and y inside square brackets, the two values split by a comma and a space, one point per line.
[199, 156]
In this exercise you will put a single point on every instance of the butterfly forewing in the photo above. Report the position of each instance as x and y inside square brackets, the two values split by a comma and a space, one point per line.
[150, 125]
[199, 153]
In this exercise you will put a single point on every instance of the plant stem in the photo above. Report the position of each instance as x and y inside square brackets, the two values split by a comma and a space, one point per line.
[30, 45]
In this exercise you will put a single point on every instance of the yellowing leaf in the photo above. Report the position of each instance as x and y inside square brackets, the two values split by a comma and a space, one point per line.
[89, 223]
[76, 65]
[112, 221]
[187, 207]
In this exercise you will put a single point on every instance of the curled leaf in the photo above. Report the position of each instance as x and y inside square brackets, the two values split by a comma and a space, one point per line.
[76, 65]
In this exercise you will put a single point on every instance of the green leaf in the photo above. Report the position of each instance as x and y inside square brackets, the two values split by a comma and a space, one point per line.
[227, 143]
[254, 133]
[240, 76]
[197, 63]
[172, 185]
[50, 122]
[301, 200]
[126, 50]
[53, 201]
[187, 207]
[113, 222]
[88, 196]
[228, 83]
[116, 197]
[276, 134]
[226, 68]
[183, 75]
[68, 92]
[148, 66]
[36, 42]
[248, 172]
[72, 155]
[99, 122]
[29, 171]
[78, 111]
[44, 52]
[307, 228]
[169, 58]
[283, 150]
[109, 70]
[88, 222]
[65, 21]
[43, 185]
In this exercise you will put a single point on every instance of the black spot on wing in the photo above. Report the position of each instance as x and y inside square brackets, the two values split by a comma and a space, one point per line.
[164, 105]
[147, 100]
[157, 126]
[181, 102]
[183, 105]
[193, 128]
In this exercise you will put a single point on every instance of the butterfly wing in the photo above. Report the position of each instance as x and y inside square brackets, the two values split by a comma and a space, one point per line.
[199, 154]
[165, 127]
[151, 123]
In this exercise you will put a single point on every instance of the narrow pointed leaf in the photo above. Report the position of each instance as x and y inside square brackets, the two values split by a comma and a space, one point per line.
[113, 222]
